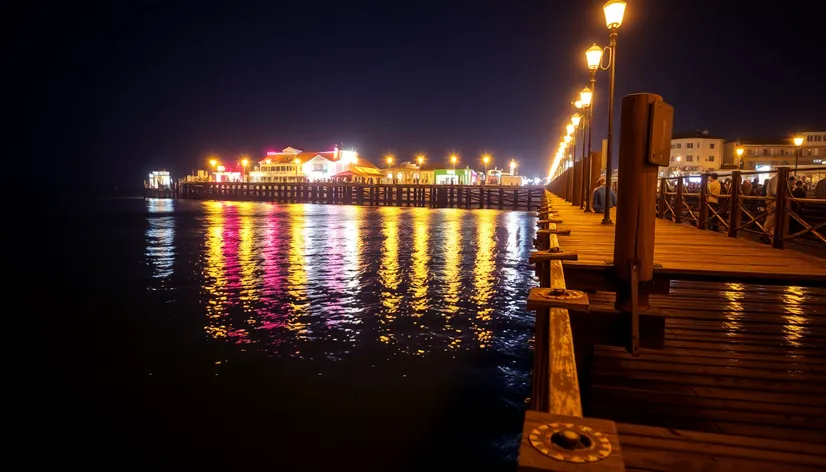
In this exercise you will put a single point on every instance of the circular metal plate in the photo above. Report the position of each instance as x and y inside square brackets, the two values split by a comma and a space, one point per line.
[567, 295]
[599, 448]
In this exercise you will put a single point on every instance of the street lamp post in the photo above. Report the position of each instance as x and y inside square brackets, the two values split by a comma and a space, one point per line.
[244, 163]
[614, 11]
[571, 129]
[453, 165]
[593, 56]
[486, 159]
[389, 172]
[576, 120]
[297, 163]
[513, 166]
[739, 152]
[798, 141]
[213, 162]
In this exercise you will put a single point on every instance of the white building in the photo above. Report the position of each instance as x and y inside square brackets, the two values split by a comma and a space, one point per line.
[694, 153]
[159, 179]
[769, 152]
[295, 165]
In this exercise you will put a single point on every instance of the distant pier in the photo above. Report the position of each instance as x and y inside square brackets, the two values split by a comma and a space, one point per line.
[343, 193]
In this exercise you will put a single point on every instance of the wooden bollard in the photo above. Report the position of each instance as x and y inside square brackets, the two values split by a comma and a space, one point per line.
[645, 144]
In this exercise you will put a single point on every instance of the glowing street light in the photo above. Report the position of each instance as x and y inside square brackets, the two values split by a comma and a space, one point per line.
[453, 160]
[798, 141]
[513, 166]
[585, 96]
[614, 11]
[739, 151]
[420, 159]
[570, 129]
[567, 138]
[593, 56]
[213, 163]
[389, 161]
[297, 163]
[575, 120]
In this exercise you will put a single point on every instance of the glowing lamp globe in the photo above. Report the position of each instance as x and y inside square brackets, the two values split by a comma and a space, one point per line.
[569, 129]
[575, 120]
[594, 57]
[614, 11]
[585, 96]
[578, 104]
[798, 141]
[567, 139]
[740, 152]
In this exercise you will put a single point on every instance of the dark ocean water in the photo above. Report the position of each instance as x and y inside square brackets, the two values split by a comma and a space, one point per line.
[291, 337]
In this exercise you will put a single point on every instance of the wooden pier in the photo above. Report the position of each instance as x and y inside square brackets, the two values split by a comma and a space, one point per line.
[725, 375]
[342, 193]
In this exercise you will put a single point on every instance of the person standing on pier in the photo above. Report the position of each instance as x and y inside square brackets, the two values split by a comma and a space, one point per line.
[599, 197]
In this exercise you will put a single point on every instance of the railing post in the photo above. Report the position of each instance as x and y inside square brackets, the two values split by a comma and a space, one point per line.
[661, 201]
[781, 214]
[734, 204]
[702, 214]
[678, 204]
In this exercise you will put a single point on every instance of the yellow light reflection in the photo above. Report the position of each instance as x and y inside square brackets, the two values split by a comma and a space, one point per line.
[795, 327]
[215, 281]
[453, 283]
[297, 273]
[389, 272]
[483, 275]
[419, 277]
[733, 309]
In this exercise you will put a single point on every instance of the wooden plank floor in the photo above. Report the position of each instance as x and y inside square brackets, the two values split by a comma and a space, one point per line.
[742, 360]
[684, 248]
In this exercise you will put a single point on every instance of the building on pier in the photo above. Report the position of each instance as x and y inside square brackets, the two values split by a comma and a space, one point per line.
[694, 153]
[407, 173]
[765, 153]
[295, 165]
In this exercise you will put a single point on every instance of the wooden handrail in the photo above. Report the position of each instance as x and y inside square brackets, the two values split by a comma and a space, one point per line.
[555, 381]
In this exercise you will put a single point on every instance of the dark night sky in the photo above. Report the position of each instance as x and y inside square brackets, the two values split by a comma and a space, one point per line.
[120, 88]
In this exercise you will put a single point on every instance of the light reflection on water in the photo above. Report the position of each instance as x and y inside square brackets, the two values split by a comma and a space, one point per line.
[413, 279]
[389, 305]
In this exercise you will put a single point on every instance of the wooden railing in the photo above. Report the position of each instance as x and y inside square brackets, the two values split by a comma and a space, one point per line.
[778, 218]
[421, 195]
[555, 383]
[556, 436]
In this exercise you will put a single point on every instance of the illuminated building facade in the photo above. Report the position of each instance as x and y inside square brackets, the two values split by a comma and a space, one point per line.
[694, 153]
[295, 165]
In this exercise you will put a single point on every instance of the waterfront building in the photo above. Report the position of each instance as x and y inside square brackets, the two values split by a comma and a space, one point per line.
[407, 173]
[464, 176]
[694, 153]
[765, 153]
[159, 179]
[295, 165]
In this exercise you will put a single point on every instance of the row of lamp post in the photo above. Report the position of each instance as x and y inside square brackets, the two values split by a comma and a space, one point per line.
[614, 11]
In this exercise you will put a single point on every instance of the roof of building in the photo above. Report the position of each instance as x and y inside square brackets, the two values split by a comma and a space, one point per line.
[770, 141]
[703, 134]
[288, 155]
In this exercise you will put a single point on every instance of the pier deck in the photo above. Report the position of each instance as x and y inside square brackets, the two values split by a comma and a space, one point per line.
[739, 359]
[682, 249]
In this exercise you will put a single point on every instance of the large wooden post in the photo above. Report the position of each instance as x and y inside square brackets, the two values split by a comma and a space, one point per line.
[734, 204]
[781, 215]
[645, 136]
[702, 212]
[577, 193]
